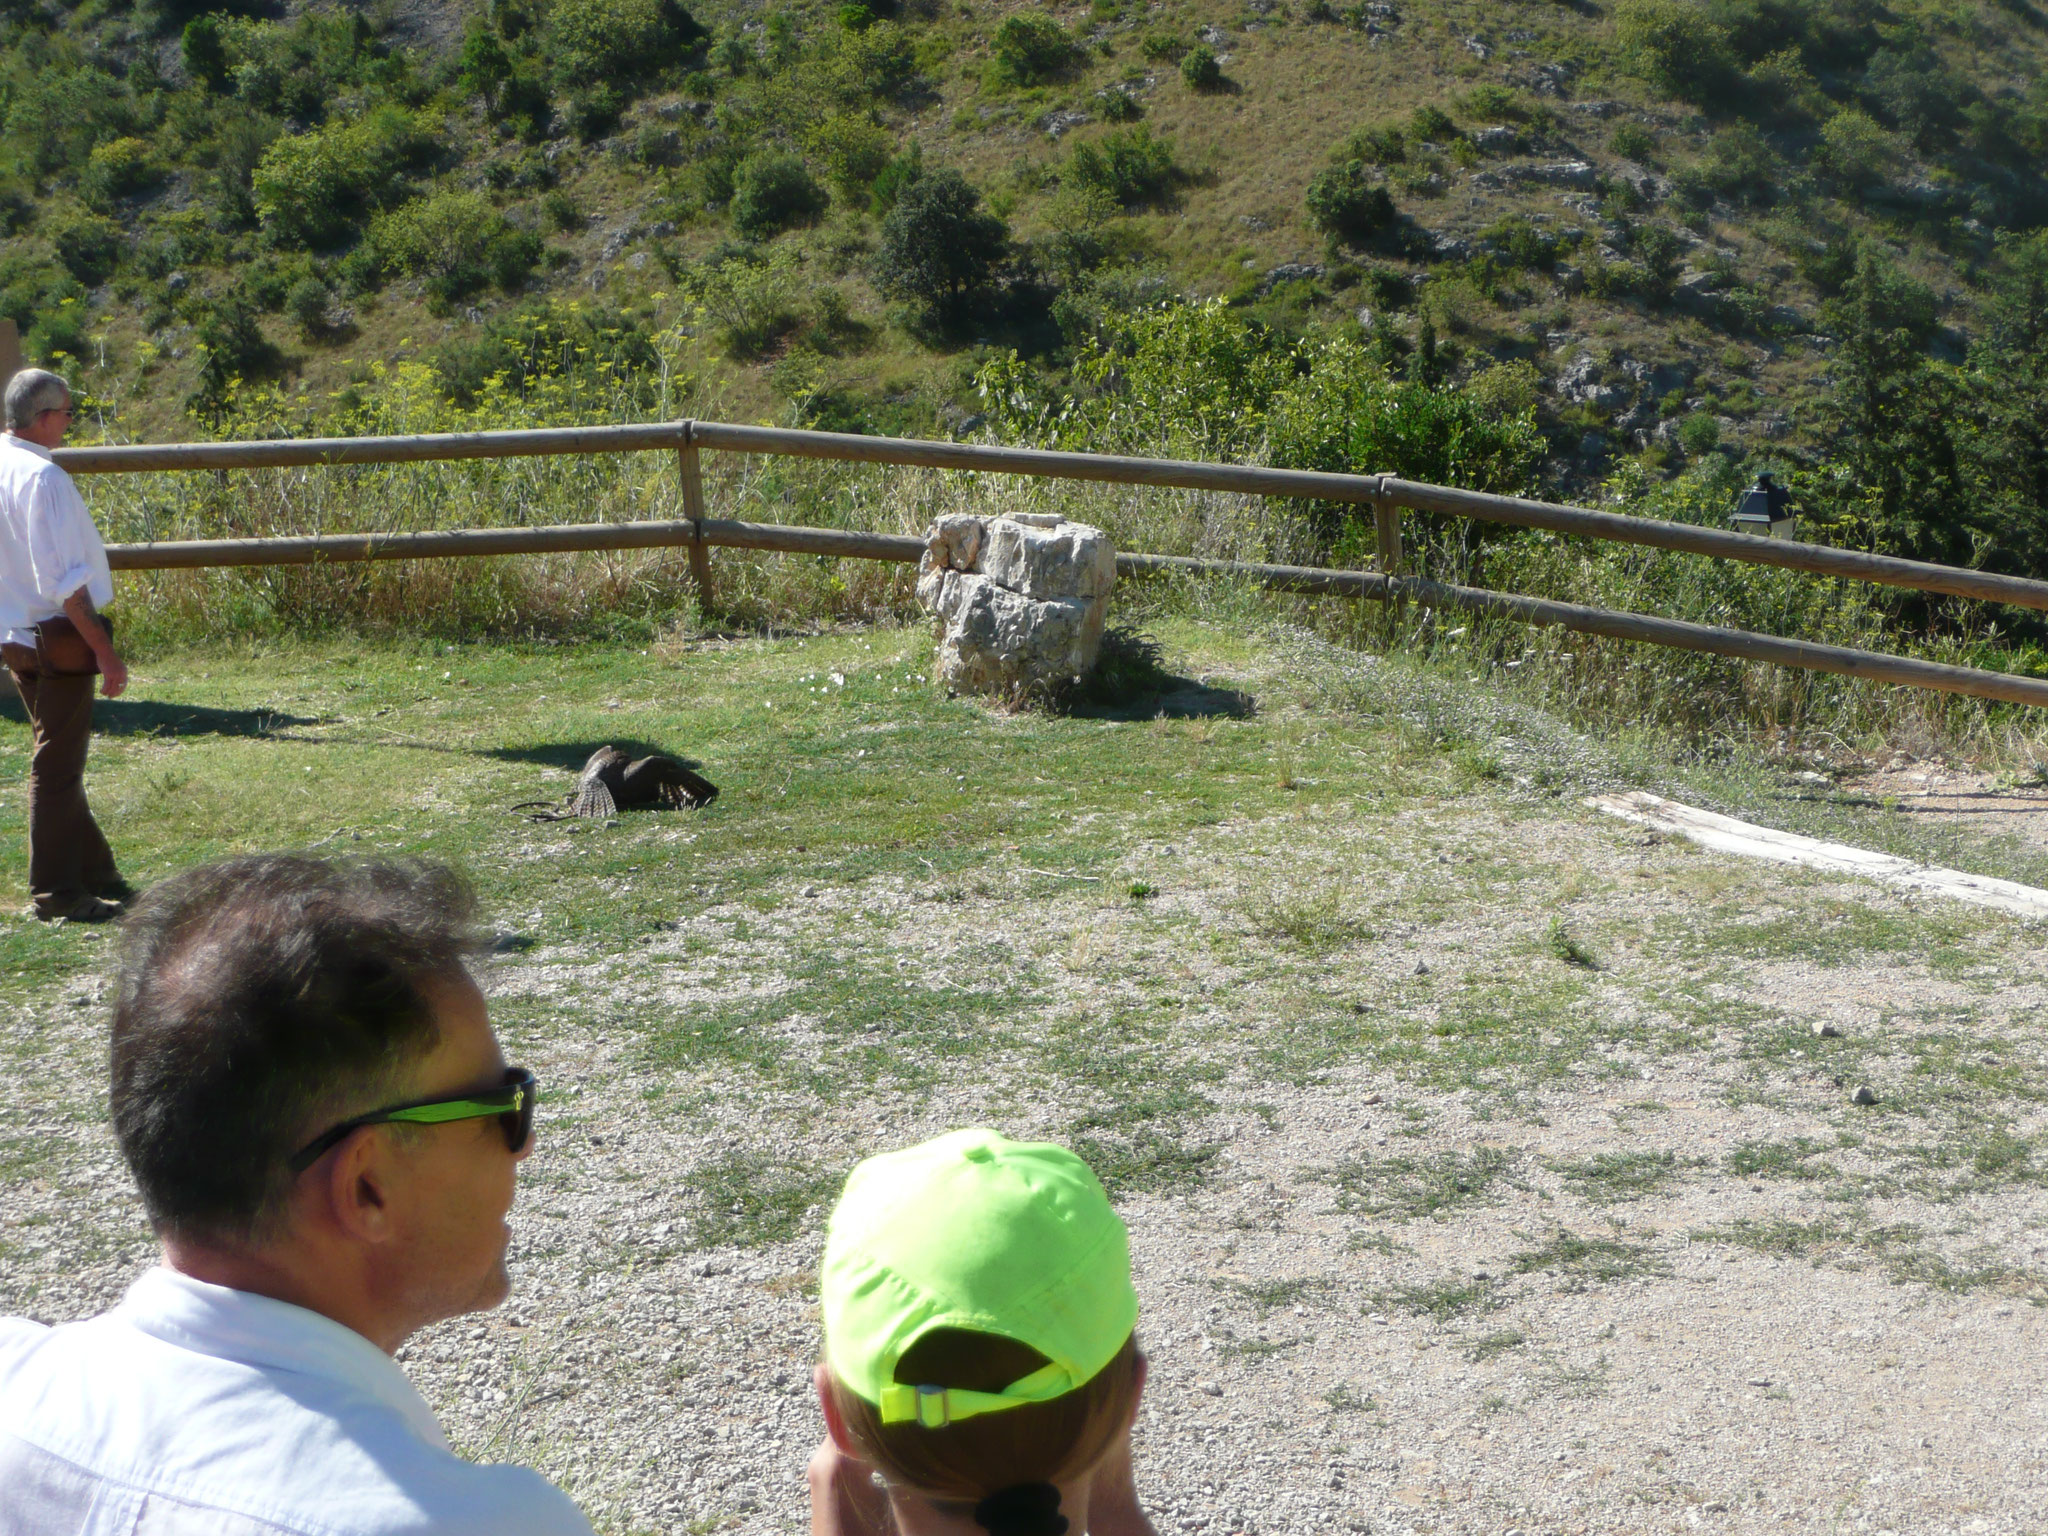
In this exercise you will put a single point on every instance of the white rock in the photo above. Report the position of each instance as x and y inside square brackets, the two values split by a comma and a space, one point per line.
[1020, 601]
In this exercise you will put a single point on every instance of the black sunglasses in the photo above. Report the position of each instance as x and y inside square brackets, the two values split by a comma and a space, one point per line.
[512, 1104]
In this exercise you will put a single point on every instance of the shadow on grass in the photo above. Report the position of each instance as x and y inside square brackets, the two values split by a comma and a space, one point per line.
[572, 755]
[149, 717]
[1129, 683]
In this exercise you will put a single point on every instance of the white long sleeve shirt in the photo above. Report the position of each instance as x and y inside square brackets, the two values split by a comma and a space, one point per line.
[195, 1410]
[49, 547]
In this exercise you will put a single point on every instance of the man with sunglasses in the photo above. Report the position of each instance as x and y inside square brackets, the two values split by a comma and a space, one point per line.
[54, 584]
[325, 1135]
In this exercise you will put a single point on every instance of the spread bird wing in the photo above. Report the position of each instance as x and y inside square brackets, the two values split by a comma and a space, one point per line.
[664, 781]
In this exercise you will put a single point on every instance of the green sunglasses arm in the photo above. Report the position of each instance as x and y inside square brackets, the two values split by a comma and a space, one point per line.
[462, 1109]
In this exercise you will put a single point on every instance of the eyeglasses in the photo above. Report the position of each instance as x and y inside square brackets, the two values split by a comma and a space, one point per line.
[512, 1104]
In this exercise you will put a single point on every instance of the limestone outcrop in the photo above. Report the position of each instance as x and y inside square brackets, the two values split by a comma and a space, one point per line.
[1020, 600]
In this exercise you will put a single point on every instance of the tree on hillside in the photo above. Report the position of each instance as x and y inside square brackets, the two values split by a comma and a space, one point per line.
[2005, 439]
[1888, 415]
[939, 248]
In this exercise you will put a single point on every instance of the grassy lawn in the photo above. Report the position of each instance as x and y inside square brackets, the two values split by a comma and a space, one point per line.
[1325, 969]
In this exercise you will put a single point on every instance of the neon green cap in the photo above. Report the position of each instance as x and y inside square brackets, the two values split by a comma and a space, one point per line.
[974, 1231]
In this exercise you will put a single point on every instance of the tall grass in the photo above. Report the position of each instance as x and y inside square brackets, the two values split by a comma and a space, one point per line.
[1697, 699]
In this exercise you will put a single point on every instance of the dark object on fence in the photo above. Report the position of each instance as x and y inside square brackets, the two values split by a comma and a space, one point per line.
[1766, 510]
[610, 783]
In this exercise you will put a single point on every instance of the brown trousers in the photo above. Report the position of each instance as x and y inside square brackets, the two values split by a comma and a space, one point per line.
[68, 858]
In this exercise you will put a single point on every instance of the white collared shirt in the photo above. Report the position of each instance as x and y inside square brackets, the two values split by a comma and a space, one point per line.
[195, 1410]
[49, 547]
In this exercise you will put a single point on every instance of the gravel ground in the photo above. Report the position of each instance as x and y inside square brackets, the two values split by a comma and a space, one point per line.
[1484, 1170]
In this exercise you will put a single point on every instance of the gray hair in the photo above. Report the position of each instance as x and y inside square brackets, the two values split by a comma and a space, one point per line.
[32, 392]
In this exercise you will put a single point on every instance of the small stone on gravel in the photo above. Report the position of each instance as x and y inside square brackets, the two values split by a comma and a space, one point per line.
[1865, 1095]
[1211, 1389]
[1825, 1031]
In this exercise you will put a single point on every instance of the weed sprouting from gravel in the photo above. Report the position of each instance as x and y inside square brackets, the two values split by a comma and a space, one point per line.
[1267, 1295]
[1407, 1188]
[1344, 1398]
[1442, 1299]
[1597, 1259]
[1574, 1382]
[1491, 1346]
[1314, 920]
[1146, 1162]
[1900, 1250]
[750, 1201]
[1794, 1159]
[1568, 949]
[1607, 1177]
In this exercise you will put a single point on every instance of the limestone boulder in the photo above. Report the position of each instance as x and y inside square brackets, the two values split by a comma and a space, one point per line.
[1019, 602]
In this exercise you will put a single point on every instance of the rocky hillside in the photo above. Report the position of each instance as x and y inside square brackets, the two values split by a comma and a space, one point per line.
[1656, 204]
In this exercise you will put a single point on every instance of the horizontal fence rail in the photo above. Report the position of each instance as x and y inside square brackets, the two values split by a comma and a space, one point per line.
[1301, 484]
[1382, 492]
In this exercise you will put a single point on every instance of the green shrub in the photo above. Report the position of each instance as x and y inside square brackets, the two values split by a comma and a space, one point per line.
[1740, 163]
[1519, 243]
[1346, 203]
[55, 114]
[1678, 46]
[1118, 105]
[456, 242]
[1632, 141]
[294, 69]
[313, 189]
[89, 246]
[17, 206]
[1386, 144]
[543, 341]
[1030, 48]
[45, 302]
[600, 51]
[1857, 149]
[307, 303]
[1199, 69]
[754, 303]
[1163, 47]
[1495, 104]
[879, 64]
[1432, 125]
[232, 349]
[855, 150]
[1698, 434]
[939, 248]
[894, 177]
[205, 55]
[1132, 165]
[771, 192]
[119, 167]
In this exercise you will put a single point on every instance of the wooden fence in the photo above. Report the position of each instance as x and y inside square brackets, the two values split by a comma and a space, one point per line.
[1387, 495]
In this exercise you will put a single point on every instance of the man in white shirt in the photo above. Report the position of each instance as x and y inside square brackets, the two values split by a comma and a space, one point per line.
[325, 1134]
[53, 571]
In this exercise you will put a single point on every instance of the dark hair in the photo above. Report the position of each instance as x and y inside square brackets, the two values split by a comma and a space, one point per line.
[998, 1464]
[261, 999]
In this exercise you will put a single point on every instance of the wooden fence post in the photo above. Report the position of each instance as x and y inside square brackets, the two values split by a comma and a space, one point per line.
[693, 509]
[10, 351]
[1386, 522]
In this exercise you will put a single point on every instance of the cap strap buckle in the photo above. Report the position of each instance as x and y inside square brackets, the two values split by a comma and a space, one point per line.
[929, 1407]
